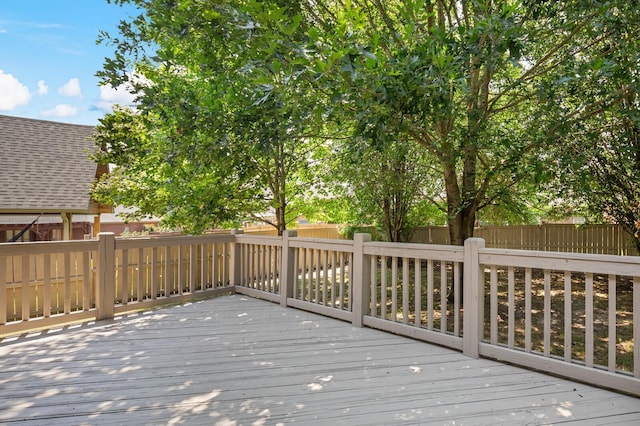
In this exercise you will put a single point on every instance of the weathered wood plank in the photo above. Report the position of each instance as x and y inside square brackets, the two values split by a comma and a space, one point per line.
[237, 360]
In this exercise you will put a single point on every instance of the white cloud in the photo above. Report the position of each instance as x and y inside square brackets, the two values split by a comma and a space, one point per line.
[110, 96]
[12, 92]
[43, 89]
[71, 88]
[61, 110]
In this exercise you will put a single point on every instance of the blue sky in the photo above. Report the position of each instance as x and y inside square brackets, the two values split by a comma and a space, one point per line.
[49, 57]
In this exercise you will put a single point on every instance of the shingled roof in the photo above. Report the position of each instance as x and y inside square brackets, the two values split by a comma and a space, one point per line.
[45, 167]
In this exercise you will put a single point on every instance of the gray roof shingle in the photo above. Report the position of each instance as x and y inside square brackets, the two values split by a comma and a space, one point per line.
[45, 166]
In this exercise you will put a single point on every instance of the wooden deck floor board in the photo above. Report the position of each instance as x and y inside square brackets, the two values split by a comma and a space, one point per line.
[236, 360]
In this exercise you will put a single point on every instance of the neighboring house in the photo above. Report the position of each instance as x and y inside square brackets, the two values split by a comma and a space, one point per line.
[113, 222]
[45, 179]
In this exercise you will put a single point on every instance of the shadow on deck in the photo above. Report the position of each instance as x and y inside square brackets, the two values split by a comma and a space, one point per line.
[235, 360]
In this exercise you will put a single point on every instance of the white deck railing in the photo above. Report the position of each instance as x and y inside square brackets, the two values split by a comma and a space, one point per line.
[568, 314]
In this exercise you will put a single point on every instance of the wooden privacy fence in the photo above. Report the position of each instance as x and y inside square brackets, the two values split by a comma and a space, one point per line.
[594, 239]
[575, 315]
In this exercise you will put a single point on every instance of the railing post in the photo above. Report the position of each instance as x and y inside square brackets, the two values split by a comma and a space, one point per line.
[473, 288]
[106, 276]
[236, 260]
[287, 264]
[361, 276]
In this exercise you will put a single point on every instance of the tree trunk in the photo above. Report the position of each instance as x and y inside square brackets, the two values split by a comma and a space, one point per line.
[461, 212]
[461, 226]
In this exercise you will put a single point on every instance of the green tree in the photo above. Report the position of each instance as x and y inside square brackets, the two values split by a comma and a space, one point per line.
[389, 185]
[225, 124]
[597, 159]
[474, 83]
[602, 179]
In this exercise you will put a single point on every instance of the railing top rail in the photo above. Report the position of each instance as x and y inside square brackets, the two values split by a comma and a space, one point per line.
[322, 244]
[161, 241]
[589, 263]
[417, 251]
[47, 247]
[258, 239]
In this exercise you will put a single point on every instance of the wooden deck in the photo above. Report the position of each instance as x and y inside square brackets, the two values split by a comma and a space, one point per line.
[235, 360]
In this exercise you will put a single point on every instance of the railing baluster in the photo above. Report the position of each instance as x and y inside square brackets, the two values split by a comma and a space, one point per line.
[140, 284]
[527, 310]
[204, 266]
[265, 269]
[443, 296]
[271, 285]
[303, 271]
[67, 283]
[277, 272]
[26, 305]
[325, 277]
[394, 289]
[511, 277]
[154, 273]
[125, 276]
[252, 266]
[258, 266]
[430, 289]
[86, 288]
[456, 298]
[612, 334]
[46, 293]
[225, 264]
[417, 283]
[180, 281]
[636, 325]
[405, 290]
[255, 264]
[318, 275]
[4, 279]
[342, 279]
[310, 275]
[374, 286]
[493, 310]
[296, 273]
[589, 325]
[547, 312]
[167, 278]
[568, 316]
[383, 287]
[214, 265]
[193, 255]
[351, 281]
